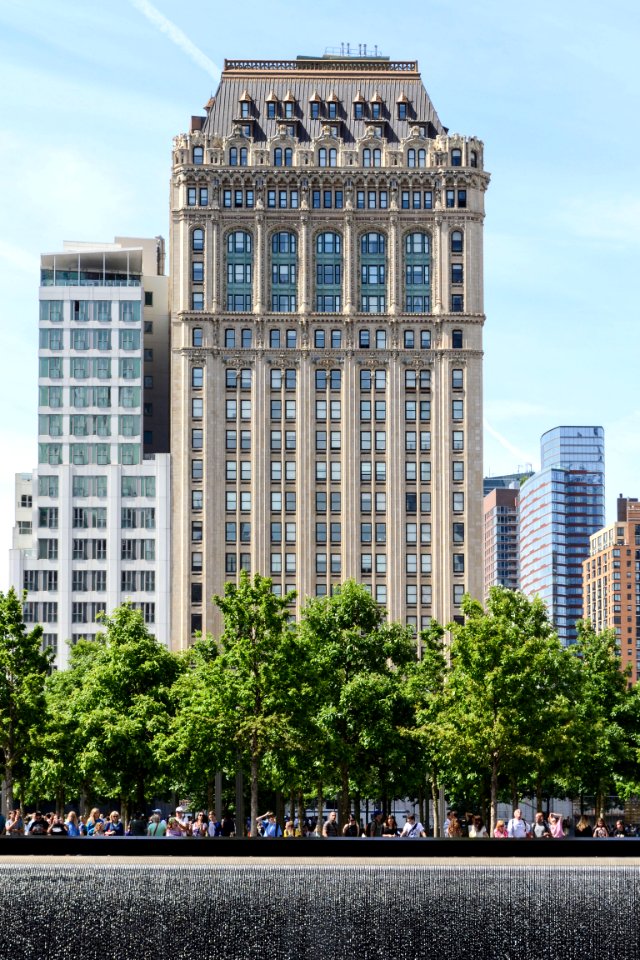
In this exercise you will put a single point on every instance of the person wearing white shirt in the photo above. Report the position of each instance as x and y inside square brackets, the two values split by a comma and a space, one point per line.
[413, 828]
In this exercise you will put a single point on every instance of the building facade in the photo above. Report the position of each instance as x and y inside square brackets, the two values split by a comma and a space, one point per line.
[92, 520]
[327, 314]
[560, 507]
[612, 582]
[501, 538]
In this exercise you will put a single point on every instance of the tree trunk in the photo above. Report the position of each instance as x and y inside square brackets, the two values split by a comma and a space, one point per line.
[356, 808]
[301, 808]
[210, 793]
[343, 814]
[254, 794]
[279, 809]
[539, 798]
[494, 793]
[60, 801]
[292, 805]
[8, 779]
[320, 805]
[140, 797]
[515, 800]
[435, 796]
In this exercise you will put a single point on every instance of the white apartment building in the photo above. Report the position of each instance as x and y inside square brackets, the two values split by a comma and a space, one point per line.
[98, 503]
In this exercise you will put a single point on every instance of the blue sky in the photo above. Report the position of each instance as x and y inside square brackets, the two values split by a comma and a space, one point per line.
[91, 96]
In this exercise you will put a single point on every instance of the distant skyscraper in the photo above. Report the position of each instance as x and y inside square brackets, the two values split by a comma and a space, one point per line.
[92, 520]
[505, 480]
[560, 507]
[501, 510]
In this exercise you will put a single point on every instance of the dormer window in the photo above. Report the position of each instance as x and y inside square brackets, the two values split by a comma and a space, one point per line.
[245, 110]
[315, 110]
[272, 106]
[358, 111]
[288, 111]
[332, 111]
[402, 111]
[376, 111]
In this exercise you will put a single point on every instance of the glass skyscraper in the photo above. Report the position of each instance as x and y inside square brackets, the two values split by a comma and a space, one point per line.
[560, 507]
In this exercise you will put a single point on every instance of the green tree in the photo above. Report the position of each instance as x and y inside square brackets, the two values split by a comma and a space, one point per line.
[123, 704]
[604, 714]
[23, 669]
[197, 745]
[358, 662]
[509, 678]
[259, 676]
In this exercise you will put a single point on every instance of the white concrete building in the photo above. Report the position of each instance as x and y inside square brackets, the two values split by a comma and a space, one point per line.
[99, 500]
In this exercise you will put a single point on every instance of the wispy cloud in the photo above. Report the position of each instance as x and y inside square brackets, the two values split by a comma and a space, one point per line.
[177, 36]
[520, 456]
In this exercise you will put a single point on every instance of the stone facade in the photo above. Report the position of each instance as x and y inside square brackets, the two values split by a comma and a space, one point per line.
[327, 313]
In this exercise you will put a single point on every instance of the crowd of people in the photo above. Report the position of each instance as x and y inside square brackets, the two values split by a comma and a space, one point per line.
[182, 824]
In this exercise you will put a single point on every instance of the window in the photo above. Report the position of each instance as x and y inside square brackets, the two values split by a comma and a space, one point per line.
[457, 303]
[456, 241]
[283, 272]
[456, 157]
[456, 339]
[198, 155]
[457, 274]
[458, 502]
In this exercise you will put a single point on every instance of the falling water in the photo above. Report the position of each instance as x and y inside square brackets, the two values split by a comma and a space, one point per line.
[68, 909]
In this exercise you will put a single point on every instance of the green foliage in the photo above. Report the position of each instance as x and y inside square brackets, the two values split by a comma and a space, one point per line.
[258, 679]
[122, 699]
[358, 661]
[509, 679]
[23, 669]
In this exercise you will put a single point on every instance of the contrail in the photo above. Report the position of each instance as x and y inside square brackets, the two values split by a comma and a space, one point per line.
[519, 455]
[176, 36]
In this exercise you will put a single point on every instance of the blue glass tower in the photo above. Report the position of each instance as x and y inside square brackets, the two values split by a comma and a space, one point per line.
[560, 507]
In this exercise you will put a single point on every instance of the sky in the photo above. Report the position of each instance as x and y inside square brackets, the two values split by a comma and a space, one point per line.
[91, 96]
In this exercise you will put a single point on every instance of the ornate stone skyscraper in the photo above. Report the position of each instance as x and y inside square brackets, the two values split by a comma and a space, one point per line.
[327, 314]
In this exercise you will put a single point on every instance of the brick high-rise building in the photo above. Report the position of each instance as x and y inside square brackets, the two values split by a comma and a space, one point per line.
[612, 582]
[327, 314]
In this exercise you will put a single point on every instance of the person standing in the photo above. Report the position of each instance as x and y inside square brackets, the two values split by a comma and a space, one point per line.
[271, 829]
[330, 827]
[351, 828]
[517, 828]
[157, 825]
[540, 828]
[413, 828]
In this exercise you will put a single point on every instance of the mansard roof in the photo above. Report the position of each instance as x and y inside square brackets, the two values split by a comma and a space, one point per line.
[307, 79]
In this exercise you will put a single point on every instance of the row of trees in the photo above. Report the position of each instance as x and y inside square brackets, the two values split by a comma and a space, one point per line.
[337, 704]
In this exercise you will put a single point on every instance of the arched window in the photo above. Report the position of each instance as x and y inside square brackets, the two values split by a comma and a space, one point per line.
[417, 275]
[198, 155]
[372, 158]
[373, 279]
[456, 241]
[411, 158]
[233, 157]
[456, 157]
[284, 272]
[473, 159]
[277, 157]
[283, 157]
[243, 156]
[328, 273]
[239, 260]
[197, 240]
[327, 157]
[366, 157]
